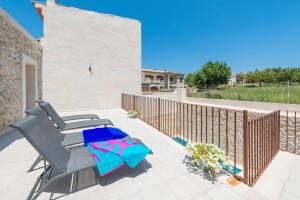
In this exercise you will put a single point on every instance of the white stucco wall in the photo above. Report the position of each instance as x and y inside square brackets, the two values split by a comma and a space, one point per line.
[73, 39]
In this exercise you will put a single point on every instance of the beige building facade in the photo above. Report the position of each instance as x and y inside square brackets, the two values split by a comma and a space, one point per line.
[161, 81]
[89, 58]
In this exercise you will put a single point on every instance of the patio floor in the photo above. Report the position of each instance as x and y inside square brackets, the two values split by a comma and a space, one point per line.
[162, 175]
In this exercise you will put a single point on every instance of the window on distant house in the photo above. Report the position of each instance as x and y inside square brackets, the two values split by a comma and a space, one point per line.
[149, 76]
[171, 78]
[160, 78]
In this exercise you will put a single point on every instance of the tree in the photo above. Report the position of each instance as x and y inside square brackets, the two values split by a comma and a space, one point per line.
[269, 75]
[200, 80]
[213, 74]
[284, 75]
[258, 77]
[296, 76]
[239, 78]
[189, 79]
[249, 77]
[272, 75]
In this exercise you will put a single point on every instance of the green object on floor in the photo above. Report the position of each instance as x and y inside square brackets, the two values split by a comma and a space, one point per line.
[180, 141]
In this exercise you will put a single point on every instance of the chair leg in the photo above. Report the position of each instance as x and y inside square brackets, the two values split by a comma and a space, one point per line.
[37, 160]
[51, 195]
[34, 197]
[43, 187]
[36, 184]
[44, 184]
[41, 183]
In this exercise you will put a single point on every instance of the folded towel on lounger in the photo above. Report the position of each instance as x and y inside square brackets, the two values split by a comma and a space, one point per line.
[113, 154]
[102, 134]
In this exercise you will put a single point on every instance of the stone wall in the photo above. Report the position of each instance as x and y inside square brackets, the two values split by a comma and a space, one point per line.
[15, 42]
[207, 128]
[75, 38]
[201, 124]
[198, 123]
[289, 128]
[290, 131]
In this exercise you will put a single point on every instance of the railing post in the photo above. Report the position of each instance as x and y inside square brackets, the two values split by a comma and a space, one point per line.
[278, 127]
[158, 113]
[122, 101]
[133, 102]
[245, 144]
[287, 131]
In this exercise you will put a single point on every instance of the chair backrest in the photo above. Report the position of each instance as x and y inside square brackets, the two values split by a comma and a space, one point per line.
[39, 101]
[53, 114]
[36, 132]
[42, 115]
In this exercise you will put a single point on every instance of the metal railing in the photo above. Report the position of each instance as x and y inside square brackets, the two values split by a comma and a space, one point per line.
[193, 123]
[261, 144]
[249, 141]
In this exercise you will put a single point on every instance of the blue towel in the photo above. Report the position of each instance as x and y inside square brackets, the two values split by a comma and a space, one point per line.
[102, 134]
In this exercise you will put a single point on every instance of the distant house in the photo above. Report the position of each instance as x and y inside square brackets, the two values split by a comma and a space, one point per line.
[161, 81]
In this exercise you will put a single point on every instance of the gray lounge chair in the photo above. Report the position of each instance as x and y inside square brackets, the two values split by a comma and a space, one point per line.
[42, 135]
[67, 118]
[62, 125]
[67, 140]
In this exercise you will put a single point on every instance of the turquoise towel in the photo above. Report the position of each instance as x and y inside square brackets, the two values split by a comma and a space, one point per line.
[113, 154]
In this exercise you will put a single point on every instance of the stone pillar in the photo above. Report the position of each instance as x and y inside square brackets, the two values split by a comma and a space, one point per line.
[181, 93]
[168, 81]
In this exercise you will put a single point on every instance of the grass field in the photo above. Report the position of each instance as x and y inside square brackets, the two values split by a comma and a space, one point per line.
[276, 94]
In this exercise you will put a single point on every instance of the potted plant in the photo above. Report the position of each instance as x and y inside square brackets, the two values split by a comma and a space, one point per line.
[133, 113]
[207, 157]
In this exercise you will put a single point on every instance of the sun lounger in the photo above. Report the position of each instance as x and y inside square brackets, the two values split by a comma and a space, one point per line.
[46, 139]
[62, 162]
[62, 125]
[48, 107]
[67, 140]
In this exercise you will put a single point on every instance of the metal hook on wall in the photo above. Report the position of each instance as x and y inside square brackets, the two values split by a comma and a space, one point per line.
[90, 69]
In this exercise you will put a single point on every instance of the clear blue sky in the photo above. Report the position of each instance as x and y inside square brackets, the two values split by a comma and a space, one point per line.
[182, 35]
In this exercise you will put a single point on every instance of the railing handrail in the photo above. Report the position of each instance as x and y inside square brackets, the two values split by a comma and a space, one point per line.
[220, 108]
[199, 104]
[262, 116]
[297, 111]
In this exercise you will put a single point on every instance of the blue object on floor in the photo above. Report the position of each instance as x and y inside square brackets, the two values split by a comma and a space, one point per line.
[230, 168]
[180, 141]
[102, 134]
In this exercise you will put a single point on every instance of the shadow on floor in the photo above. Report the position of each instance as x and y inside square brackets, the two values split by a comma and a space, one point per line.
[192, 168]
[90, 177]
[9, 136]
